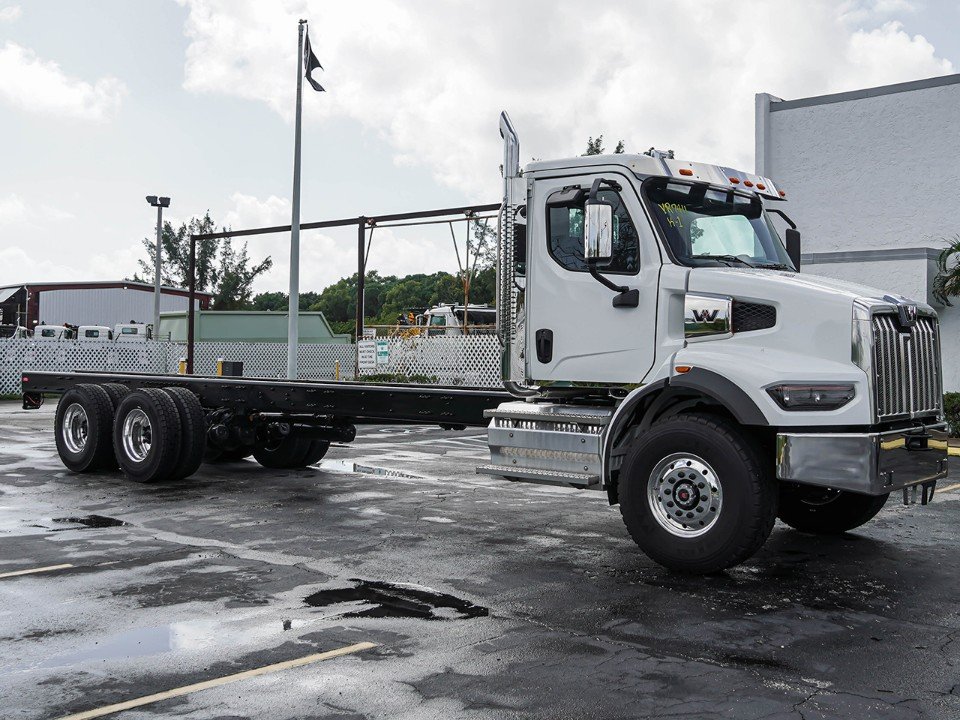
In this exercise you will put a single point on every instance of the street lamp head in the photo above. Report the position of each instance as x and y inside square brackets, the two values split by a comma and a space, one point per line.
[152, 199]
[164, 202]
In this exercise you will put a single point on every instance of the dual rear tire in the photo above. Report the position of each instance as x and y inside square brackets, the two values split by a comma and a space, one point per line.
[152, 434]
[155, 434]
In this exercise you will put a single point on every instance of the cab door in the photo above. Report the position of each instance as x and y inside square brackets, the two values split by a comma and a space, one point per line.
[574, 333]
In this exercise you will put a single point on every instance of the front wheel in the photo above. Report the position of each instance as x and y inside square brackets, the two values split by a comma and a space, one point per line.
[694, 494]
[824, 511]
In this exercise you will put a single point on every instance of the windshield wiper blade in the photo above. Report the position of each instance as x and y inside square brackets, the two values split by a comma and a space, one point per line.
[775, 266]
[723, 258]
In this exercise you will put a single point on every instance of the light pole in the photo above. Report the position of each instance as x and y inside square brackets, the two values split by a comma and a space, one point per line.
[159, 203]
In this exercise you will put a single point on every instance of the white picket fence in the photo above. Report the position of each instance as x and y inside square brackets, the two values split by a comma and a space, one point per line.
[472, 361]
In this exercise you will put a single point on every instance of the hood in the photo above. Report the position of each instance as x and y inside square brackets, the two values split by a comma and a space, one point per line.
[779, 286]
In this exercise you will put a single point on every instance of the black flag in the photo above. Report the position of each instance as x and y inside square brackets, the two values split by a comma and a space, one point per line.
[311, 64]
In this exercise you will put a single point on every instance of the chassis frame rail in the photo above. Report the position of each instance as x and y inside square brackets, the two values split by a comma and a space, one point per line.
[362, 402]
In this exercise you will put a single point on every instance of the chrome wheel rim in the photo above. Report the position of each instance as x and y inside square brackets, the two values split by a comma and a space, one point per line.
[137, 435]
[75, 428]
[685, 495]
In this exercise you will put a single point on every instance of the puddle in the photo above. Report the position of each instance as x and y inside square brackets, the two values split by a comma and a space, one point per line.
[347, 466]
[381, 599]
[138, 643]
[90, 521]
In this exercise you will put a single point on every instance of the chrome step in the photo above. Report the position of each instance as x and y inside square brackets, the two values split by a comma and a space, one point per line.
[550, 412]
[548, 477]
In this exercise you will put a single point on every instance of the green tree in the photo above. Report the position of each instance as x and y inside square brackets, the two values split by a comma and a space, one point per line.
[276, 301]
[946, 284]
[220, 268]
[235, 276]
[175, 250]
[279, 301]
[595, 146]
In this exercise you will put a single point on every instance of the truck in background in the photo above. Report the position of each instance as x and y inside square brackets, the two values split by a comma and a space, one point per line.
[659, 346]
[450, 320]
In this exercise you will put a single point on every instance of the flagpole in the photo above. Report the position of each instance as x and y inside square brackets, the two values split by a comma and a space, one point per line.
[293, 319]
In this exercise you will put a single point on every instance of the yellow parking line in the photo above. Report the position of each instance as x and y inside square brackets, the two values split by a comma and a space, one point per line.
[31, 571]
[196, 687]
[948, 488]
[953, 450]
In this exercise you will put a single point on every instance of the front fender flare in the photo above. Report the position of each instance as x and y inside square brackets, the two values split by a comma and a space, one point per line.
[706, 382]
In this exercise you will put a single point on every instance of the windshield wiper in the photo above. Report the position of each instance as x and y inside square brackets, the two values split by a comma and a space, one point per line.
[729, 259]
[775, 266]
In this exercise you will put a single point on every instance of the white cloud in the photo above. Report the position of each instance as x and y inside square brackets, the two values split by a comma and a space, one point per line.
[431, 78]
[18, 265]
[41, 86]
[17, 214]
[10, 13]
[250, 212]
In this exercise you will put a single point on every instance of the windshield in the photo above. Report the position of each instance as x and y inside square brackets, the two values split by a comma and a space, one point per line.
[710, 226]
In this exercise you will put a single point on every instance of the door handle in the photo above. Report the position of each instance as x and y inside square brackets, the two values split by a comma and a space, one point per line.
[544, 345]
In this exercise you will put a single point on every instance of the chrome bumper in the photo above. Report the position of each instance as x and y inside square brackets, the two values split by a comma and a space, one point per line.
[869, 463]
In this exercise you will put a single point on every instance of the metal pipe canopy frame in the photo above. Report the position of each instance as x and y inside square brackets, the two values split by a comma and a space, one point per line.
[362, 223]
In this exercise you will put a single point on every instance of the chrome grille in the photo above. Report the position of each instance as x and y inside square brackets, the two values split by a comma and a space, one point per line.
[906, 367]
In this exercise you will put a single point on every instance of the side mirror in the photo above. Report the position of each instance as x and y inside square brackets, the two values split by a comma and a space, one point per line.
[793, 246]
[598, 231]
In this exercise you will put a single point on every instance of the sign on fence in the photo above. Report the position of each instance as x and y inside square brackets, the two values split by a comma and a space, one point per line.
[383, 352]
[367, 355]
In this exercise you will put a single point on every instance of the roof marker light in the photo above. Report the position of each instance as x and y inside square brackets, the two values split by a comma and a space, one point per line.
[735, 181]
[761, 186]
[686, 171]
[748, 183]
[783, 193]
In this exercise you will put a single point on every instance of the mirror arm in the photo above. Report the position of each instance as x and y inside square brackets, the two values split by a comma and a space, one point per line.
[595, 188]
[625, 296]
[781, 213]
[592, 269]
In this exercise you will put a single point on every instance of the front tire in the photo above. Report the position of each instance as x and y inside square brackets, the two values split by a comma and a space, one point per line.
[823, 511]
[695, 495]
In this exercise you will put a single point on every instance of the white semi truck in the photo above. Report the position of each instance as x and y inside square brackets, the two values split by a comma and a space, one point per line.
[659, 345]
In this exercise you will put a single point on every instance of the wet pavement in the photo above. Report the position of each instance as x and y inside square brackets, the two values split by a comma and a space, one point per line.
[486, 599]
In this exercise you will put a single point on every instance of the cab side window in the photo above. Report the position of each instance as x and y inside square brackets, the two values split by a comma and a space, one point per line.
[565, 232]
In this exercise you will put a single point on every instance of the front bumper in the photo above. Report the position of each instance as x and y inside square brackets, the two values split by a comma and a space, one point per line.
[868, 463]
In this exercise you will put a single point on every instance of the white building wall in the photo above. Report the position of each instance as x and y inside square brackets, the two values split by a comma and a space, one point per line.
[104, 306]
[868, 171]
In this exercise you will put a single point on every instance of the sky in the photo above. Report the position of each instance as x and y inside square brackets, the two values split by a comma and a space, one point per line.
[107, 101]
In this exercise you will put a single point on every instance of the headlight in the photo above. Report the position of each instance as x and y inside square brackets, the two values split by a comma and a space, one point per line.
[811, 397]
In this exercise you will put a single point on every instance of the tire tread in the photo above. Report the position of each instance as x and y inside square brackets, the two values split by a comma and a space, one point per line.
[762, 497]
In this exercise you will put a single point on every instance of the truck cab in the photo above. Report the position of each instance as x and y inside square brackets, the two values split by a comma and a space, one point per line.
[664, 348]
[53, 332]
[450, 320]
[132, 332]
[94, 333]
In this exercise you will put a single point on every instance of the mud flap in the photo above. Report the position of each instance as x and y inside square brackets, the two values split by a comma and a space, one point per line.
[926, 493]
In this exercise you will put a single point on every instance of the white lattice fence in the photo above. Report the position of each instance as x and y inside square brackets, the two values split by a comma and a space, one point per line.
[471, 361]
[315, 361]
[68, 355]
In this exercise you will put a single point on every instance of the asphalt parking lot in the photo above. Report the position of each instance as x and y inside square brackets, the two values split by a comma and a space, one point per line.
[451, 595]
